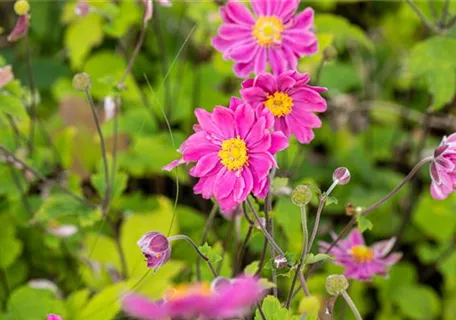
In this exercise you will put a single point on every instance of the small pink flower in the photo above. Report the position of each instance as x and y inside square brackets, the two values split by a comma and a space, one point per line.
[274, 35]
[6, 75]
[443, 168]
[156, 248]
[290, 99]
[224, 299]
[82, 8]
[20, 29]
[362, 262]
[53, 317]
[233, 149]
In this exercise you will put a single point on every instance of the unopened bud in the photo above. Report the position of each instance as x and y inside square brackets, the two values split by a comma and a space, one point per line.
[335, 284]
[309, 305]
[81, 81]
[341, 175]
[21, 7]
[301, 195]
[280, 262]
[82, 8]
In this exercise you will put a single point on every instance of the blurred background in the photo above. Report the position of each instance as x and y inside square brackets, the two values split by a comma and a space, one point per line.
[391, 83]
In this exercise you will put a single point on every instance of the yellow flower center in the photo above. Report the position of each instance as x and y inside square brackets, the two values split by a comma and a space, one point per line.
[268, 31]
[279, 104]
[185, 290]
[362, 253]
[234, 154]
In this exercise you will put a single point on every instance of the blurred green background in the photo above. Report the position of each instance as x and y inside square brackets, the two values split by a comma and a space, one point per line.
[391, 84]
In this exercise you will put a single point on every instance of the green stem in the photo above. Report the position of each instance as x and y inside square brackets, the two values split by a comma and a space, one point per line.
[352, 305]
[208, 226]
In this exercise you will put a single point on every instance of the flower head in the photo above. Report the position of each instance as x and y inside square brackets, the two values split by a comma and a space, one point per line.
[156, 248]
[341, 175]
[53, 317]
[360, 261]
[443, 168]
[223, 299]
[290, 99]
[233, 149]
[20, 29]
[335, 284]
[274, 34]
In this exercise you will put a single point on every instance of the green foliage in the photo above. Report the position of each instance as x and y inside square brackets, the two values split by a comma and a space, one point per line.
[363, 223]
[273, 311]
[12, 106]
[213, 257]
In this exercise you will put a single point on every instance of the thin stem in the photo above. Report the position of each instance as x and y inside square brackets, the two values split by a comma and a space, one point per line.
[31, 83]
[13, 159]
[103, 152]
[193, 244]
[270, 228]
[260, 311]
[114, 147]
[331, 188]
[208, 227]
[123, 260]
[263, 228]
[243, 248]
[352, 305]
[444, 16]
[422, 17]
[317, 221]
[22, 192]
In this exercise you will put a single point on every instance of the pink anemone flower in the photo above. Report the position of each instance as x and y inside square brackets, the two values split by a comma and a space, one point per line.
[53, 317]
[223, 299]
[155, 248]
[275, 34]
[234, 151]
[443, 168]
[360, 261]
[290, 99]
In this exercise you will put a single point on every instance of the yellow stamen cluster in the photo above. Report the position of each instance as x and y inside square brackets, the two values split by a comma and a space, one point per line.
[362, 253]
[268, 31]
[280, 104]
[185, 290]
[234, 154]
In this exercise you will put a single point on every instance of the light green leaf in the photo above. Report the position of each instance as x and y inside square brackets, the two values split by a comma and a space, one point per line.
[12, 106]
[431, 54]
[418, 302]
[363, 223]
[272, 310]
[252, 268]
[105, 304]
[10, 249]
[314, 258]
[441, 83]
[81, 36]
[124, 17]
[331, 200]
[77, 300]
[206, 249]
[120, 183]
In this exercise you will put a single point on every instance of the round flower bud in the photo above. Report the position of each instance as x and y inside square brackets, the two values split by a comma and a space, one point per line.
[219, 283]
[335, 284]
[301, 195]
[156, 248]
[82, 8]
[280, 262]
[21, 7]
[341, 175]
[81, 81]
[309, 305]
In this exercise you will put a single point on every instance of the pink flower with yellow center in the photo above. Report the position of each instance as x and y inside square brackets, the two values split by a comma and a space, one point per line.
[223, 299]
[234, 151]
[360, 261]
[290, 99]
[274, 34]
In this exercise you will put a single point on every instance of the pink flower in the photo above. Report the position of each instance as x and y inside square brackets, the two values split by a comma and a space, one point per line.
[362, 262]
[274, 34]
[290, 99]
[20, 29]
[156, 248]
[233, 149]
[223, 299]
[443, 168]
[82, 8]
[53, 317]
[6, 75]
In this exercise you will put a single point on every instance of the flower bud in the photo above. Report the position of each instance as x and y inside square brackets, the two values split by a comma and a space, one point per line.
[280, 262]
[53, 317]
[309, 305]
[20, 29]
[341, 175]
[81, 81]
[335, 284]
[21, 7]
[156, 248]
[301, 195]
[82, 8]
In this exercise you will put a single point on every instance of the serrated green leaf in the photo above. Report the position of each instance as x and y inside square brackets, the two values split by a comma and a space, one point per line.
[206, 249]
[314, 258]
[252, 268]
[363, 223]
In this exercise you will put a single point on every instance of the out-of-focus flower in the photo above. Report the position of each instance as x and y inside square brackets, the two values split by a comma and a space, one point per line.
[109, 108]
[20, 29]
[45, 284]
[156, 248]
[53, 317]
[335, 284]
[226, 299]
[63, 231]
[341, 175]
[21, 7]
[81, 81]
[443, 168]
[280, 262]
[6, 75]
[82, 8]
[290, 99]
[233, 149]
[274, 35]
[360, 261]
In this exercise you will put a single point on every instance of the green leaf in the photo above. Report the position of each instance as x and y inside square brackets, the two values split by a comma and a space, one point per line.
[272, 310]
[104, 305]
[441, 83]
[418, 302]
[340, 77]
[363, 223]
[81, 36]
[10, 249]
[314, 258]
[431, 54]
[120, 183]
[252, 268]
[12, 106]
[124, 17]
[206, 249]
[330, 200]
[447, 267]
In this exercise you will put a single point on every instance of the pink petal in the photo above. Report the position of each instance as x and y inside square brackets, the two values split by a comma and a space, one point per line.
[224, 183]
[205, 186]
[205, 165]
[237, 13]
[305, 19]
[244, 117]
[382, 248]
[260, 7]
[224, 120]
[173, 164]
[142, 308]
[230, 31]
[245, 52]
[260, 61]
[277, 60]
[279, 142]
[242, 70]
[356, 238]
